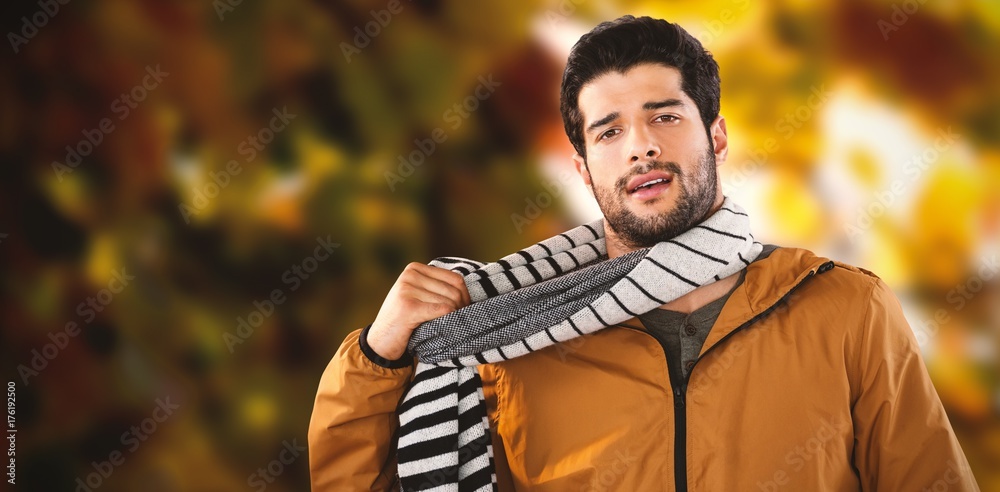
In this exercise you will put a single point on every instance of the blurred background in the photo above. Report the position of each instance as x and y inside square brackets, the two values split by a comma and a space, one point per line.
[199, 199]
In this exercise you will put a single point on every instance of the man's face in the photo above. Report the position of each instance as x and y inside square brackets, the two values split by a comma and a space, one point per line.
[649, 162]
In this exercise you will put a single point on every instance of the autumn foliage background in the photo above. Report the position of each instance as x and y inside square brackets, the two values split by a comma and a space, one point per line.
[866, 131]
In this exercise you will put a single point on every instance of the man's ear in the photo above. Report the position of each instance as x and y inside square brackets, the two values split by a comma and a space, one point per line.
[720, 140]
[581, 168]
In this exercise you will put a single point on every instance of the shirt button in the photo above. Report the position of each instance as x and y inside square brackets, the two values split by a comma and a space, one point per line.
[690, 330]
[689, 365]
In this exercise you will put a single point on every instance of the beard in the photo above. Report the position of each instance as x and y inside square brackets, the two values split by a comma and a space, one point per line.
[695, 196]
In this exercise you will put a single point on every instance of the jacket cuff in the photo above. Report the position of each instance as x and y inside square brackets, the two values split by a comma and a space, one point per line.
[405, 361]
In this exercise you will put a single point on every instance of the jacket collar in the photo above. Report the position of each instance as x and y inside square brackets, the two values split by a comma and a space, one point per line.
[769, 278]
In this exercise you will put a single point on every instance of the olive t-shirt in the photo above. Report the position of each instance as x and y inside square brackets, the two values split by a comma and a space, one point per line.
[683, 334]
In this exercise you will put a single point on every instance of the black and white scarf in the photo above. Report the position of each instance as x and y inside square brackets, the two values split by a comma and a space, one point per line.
[550, 292]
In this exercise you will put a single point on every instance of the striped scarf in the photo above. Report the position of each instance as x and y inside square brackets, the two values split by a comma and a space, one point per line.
[550, 292]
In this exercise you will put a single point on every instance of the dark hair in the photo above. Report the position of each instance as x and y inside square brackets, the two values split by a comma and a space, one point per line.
[627, 41]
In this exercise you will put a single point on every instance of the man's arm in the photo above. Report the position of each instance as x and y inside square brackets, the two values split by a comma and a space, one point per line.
[902, 437]
[354, 417]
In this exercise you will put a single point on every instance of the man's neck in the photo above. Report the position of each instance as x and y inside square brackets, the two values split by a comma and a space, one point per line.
[615, 246]
[692, 300]
[698, 298]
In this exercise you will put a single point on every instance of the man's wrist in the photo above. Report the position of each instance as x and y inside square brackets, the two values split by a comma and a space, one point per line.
[404, 361]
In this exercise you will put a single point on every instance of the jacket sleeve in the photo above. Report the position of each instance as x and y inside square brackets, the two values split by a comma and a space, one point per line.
[902, 437]
[353, 418]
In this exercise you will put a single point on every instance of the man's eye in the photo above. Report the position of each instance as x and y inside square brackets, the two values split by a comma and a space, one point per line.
[667, 118]
[608, 134]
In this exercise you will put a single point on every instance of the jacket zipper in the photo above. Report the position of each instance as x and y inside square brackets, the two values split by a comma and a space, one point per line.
[679, 384]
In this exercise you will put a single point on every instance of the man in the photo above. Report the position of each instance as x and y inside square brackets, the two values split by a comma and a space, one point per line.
[788, 372]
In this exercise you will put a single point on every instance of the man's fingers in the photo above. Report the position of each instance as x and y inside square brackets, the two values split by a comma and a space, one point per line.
[449, 277]
[442, 288]
[430, 297]
[456, 279]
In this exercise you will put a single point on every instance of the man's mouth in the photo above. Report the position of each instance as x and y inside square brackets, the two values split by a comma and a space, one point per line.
[650, 184]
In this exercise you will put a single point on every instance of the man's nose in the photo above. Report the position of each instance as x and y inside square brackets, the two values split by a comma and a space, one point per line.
[644, 147]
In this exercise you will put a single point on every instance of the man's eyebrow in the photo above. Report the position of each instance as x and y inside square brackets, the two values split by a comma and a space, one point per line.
[603, 121]
[649, 106]
[666, 103]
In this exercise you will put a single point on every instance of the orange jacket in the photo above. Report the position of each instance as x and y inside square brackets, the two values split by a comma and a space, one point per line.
[810, 380]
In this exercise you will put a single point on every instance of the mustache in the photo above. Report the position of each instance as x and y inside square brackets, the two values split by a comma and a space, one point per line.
[669, 166]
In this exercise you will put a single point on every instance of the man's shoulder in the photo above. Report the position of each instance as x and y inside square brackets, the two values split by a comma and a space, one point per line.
[838, 296]
[831, 274]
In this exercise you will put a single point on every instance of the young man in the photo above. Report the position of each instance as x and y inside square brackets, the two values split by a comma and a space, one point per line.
[781, 371]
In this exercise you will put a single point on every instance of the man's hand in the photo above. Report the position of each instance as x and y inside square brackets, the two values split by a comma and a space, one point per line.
[421, 293]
